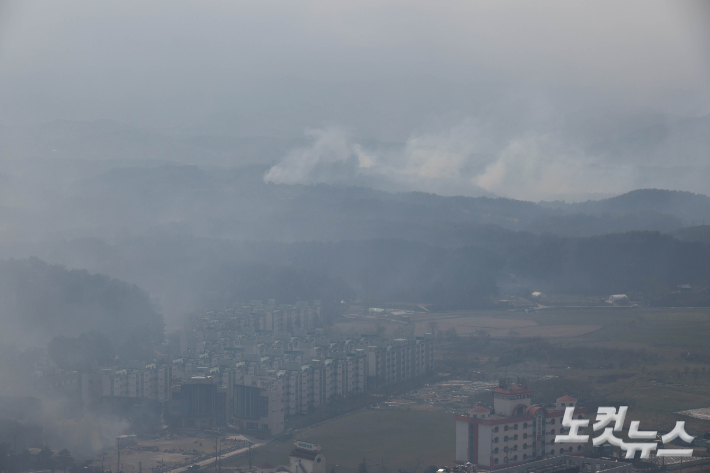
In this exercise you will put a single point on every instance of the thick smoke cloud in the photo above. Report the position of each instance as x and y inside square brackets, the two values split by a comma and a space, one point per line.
[548, 89]
[463, 160]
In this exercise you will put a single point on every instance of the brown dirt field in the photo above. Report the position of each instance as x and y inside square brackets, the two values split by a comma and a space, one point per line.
[130, 457]
[494, 326]
[367, 326]
[468, 325]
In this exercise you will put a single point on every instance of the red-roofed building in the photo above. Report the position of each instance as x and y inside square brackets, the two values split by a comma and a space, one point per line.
[479, 412]
[565, 402]
[514, 432]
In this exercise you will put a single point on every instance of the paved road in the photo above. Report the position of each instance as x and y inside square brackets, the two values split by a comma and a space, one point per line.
[210, 461]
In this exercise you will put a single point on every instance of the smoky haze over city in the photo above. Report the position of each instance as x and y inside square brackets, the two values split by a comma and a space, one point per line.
[353, 237]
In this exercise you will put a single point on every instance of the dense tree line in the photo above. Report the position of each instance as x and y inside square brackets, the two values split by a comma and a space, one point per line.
[46, 459]
[42, 301]
[348, 243]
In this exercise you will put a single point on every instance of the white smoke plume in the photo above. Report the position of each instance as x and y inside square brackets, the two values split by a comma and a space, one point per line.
[464, 160]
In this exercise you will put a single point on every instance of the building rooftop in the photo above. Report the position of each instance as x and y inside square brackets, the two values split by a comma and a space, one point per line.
[513, 389]
[304, 454]
[479, 409]
[566, 398]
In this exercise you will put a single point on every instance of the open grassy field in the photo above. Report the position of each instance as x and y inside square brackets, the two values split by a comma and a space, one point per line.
[404, 439]
[649, 327]
[655, 381]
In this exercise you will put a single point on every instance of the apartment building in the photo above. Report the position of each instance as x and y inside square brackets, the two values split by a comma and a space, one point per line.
[153, 382]
[318, 381]
[399, 360]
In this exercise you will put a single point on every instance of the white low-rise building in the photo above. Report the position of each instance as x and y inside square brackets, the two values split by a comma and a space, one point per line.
[307, 458]
[618, 299]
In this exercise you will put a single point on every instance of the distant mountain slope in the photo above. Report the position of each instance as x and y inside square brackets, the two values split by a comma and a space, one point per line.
[237, 204]
[591, 224]
[642, 209]
[628, 262]
[678, 203]
[183, 271]
[182, 227]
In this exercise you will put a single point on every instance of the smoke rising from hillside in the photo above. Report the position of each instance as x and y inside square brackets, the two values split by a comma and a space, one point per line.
[463, 160]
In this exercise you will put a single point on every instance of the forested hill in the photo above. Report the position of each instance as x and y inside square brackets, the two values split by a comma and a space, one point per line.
[189, 271]
[42, 300]
[237, 204]
[188, 232]
[633, 262]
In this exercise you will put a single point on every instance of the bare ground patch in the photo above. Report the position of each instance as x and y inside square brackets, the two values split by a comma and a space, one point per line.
[547, 331]
[469, 325]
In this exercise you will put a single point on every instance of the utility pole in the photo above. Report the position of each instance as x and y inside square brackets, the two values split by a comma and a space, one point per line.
[215, 454]
[249, 451]
[103, 455]
[118, 447]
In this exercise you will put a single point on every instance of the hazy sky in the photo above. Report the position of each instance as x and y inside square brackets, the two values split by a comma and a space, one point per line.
[142, 61]
[522, 75]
